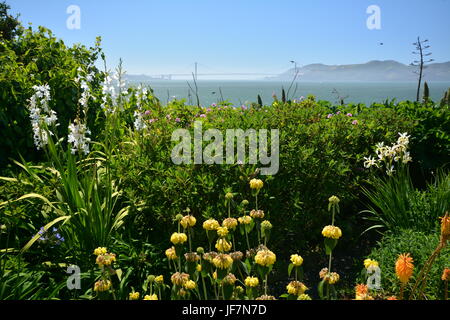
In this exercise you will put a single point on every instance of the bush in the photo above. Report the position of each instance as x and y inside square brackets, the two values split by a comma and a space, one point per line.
[35, 58]
[318, 157]
[421, 246]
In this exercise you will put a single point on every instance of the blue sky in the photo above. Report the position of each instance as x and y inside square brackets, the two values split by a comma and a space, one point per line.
[168, 36]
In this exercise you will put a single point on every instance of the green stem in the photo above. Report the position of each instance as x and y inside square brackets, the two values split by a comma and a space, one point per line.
[265, 285]
[204, 287]
[246, 238]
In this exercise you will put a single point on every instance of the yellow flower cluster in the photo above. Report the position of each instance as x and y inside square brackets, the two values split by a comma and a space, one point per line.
[159, 279]
[223, 261]
[245, 220]
[265, 258]
[251, 282]
[188, 221]
[334, 200]
[102, 285]
[134, 295]
[151, 297]
[100, 251]
[171, 254]
[178, 238]
[211, 225]
[190, 285]
[304, 296]
[296, 260]
[332, 232]
[296, 288]
[332, 278]
[223, 245]
[256, 184]
[230, 223]
[370, 263]
[105, 259]
[266, 225]
[222, 231]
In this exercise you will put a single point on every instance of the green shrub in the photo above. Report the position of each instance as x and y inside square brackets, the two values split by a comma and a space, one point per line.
[319, 157]
[420, 246]
[36, 58]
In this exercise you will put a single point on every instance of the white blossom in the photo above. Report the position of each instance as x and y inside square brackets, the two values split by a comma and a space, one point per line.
[139, 123]
[41, 115]
[370, 162]
[78, 137]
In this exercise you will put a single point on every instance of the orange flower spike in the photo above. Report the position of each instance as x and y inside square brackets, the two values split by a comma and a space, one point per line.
[404, 267]
[445, 227]
[446, 274]
[361, 290]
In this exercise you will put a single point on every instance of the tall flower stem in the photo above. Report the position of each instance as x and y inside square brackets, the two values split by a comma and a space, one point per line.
[204, 287]
[265, 285]
[402, 288]
[422, 277]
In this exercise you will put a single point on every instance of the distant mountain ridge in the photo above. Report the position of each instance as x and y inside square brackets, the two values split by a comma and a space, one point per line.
[388, 70]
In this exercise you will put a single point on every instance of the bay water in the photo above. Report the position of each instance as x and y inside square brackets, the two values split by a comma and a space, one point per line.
[243, 92]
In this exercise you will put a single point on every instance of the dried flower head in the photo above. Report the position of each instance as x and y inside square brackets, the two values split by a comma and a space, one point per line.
[257, 214]
[230, 223]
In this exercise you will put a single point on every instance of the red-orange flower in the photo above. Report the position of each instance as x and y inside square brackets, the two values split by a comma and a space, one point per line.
[404, 267]
[446, 274]
[361, 289]
[392, 298]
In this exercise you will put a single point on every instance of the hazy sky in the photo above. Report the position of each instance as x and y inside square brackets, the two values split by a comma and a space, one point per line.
[168, 36]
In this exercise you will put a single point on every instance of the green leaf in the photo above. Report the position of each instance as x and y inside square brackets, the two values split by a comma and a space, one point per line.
[330, 244]
[320, 289]
[37, 236]
[290, 268]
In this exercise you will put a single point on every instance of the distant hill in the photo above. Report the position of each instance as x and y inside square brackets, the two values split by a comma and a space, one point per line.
[388, 70]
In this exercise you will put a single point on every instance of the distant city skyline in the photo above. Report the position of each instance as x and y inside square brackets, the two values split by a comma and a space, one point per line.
[167, 37]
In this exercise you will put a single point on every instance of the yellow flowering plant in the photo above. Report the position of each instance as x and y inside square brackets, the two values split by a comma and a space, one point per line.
[331, 236]
[296, 266]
